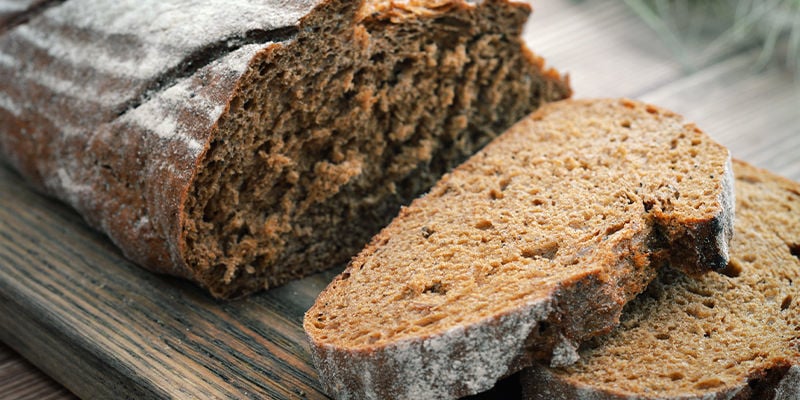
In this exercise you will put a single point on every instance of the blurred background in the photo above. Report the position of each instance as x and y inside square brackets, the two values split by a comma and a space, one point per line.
[731, 66]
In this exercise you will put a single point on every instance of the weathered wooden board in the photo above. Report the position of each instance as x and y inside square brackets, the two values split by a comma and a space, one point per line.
[72, 305]
[104, 328]
[76, 308]
[21, 380]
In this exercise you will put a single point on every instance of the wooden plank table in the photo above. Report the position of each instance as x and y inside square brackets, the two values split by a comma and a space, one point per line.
[75, 308]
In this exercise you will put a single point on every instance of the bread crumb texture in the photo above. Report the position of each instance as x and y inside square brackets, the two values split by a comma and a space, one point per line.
[245, 144]
[375, 115]
[527, 249]
[720, 336]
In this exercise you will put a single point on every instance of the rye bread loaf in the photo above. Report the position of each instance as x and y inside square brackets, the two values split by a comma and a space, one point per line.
[242, 144]
[716, 337]
[527, 249]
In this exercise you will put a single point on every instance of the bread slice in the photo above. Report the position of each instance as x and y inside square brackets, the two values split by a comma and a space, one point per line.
[527, 249]
[242, 144]
[716, 337]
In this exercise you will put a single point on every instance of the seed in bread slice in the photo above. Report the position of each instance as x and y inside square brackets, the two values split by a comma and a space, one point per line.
[524, 251]
[716, 337]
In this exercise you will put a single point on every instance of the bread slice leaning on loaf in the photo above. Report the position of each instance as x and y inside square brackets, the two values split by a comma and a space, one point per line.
[524, 251]
[733, 336]
[242, 144]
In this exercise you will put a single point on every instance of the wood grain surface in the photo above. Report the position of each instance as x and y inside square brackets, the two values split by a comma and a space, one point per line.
[74, 307]
[103, 327]
[21, 380]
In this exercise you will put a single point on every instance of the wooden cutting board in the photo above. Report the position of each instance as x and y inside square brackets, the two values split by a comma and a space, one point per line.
[105, 328]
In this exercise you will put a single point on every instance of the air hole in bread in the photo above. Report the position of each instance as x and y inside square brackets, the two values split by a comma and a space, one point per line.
[708, 383]
[435, 287]
[373, 337]
[794, 249]
[676, 376]
[787, 301]
[733, 269]
[614, 228]
[697, 311]
[484, 224]
[504, 183]
[429, 319]
[700, 291]
[547, 250]
[631, 198]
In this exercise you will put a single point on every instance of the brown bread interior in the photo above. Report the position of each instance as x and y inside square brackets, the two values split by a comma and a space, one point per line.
[334, 131]
[717, 336]
[531, 246]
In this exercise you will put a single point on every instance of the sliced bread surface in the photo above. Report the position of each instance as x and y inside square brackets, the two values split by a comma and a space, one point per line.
[715, 337]
[231, 142]
[527, 249]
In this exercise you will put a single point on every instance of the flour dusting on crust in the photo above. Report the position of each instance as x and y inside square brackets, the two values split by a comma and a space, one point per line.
[462, 359]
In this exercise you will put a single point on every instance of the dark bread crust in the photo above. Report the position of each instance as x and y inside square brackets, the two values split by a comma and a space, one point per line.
[767, 234]
[123, 139]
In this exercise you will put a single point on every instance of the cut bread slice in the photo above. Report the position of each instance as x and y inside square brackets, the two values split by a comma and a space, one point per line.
[231, 143]
[527, 249]
[716, 337]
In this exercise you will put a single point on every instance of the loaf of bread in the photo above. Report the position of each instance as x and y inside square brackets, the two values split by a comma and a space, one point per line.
[242, 144]
[529, 248]
[732, 336]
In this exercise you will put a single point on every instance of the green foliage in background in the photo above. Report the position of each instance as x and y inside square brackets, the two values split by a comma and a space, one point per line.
[699, 32]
